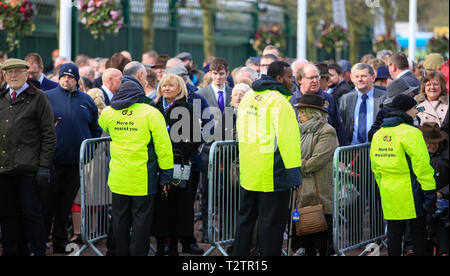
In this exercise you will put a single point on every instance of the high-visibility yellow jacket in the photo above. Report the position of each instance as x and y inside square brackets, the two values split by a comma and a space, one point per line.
[401, 165]
[140, 148]
[269, 142]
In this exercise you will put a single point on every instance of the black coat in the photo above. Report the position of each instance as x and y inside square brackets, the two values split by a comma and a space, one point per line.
[341, 89]
[439, 162]
[173, 215]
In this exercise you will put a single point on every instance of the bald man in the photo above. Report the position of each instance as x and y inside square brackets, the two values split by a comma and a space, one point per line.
[88, 72]
[112, 79]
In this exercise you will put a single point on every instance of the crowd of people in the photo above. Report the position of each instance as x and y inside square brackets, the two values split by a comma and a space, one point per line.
[163, 114]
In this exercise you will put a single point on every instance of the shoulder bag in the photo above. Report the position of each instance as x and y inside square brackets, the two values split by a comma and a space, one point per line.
[312, 218]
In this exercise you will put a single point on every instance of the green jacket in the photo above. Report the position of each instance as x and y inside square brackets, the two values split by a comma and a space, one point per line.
[401, 164]
[269, 142]
[27, 132]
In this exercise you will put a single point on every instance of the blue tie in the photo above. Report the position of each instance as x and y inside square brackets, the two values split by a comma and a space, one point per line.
[362, 121]
[220, 101]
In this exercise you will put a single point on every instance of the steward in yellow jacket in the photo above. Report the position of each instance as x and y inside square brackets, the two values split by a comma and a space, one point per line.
[401, 165]
[269, 159]
[141, 159]
[269, 138]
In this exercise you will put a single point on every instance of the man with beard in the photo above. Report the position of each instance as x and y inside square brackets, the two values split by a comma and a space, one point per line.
[337, 86]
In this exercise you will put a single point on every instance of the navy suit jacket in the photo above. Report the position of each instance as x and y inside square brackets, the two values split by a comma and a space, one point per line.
[48, 84]
[107, 101]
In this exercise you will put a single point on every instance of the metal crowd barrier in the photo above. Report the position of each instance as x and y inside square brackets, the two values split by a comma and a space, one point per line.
[357, 213]
[94, 191]
[223, 198]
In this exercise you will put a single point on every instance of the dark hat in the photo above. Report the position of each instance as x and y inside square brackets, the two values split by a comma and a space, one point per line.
[14, 63]
[397, 87]
[69, 69]
[323, 69]
[161, 61]
[184, 55]
[403, 102]
[345, 65]
[432, 133]
[383, 73]
[311, 100]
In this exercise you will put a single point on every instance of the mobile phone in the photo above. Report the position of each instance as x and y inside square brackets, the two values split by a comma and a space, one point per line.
[421, 109]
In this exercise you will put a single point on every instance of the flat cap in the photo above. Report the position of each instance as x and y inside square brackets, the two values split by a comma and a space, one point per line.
[177, 70]
[184, 55]
[14, 63]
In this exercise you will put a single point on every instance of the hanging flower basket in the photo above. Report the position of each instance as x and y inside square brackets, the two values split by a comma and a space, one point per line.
[268, 36]
[438, 44]
[15, 20]
[385, 42]
[100, 16]
[333, 36]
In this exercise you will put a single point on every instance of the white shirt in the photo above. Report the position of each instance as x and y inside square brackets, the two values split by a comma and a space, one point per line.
[25, 86]
[216, 92]
[402, 73]
[108, 92]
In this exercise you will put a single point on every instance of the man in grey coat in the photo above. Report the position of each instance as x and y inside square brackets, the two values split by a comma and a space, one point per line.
[218, 96]
[360, 107]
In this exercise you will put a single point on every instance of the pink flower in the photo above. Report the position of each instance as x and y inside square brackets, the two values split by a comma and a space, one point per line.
[114, 14]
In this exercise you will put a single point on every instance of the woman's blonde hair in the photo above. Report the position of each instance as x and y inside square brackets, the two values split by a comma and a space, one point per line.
[98, 97]
[311, 112]
[180, 83]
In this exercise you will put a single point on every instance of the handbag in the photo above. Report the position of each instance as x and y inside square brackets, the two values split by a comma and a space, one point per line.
[312, 218]
[181, 173]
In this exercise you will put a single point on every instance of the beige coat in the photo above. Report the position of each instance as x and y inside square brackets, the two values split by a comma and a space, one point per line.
[434, 111]
[319, 168]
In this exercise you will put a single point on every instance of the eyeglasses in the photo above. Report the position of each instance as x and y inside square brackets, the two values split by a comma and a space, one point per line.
[312, 78]
[429, 84]
[15, 72]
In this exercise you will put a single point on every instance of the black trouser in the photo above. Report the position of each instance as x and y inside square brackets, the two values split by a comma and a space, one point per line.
[194, 180]
[132, 214]
[395, 231]
[21, 215]
[271, 210]
[59, 197]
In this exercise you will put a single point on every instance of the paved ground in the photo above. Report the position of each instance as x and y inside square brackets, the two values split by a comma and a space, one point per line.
[205, 246]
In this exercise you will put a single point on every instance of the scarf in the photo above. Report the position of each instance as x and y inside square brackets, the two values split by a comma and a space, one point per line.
[307, 132]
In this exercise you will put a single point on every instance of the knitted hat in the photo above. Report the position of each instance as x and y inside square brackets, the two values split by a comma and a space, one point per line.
[403, 102]
[69, 69]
